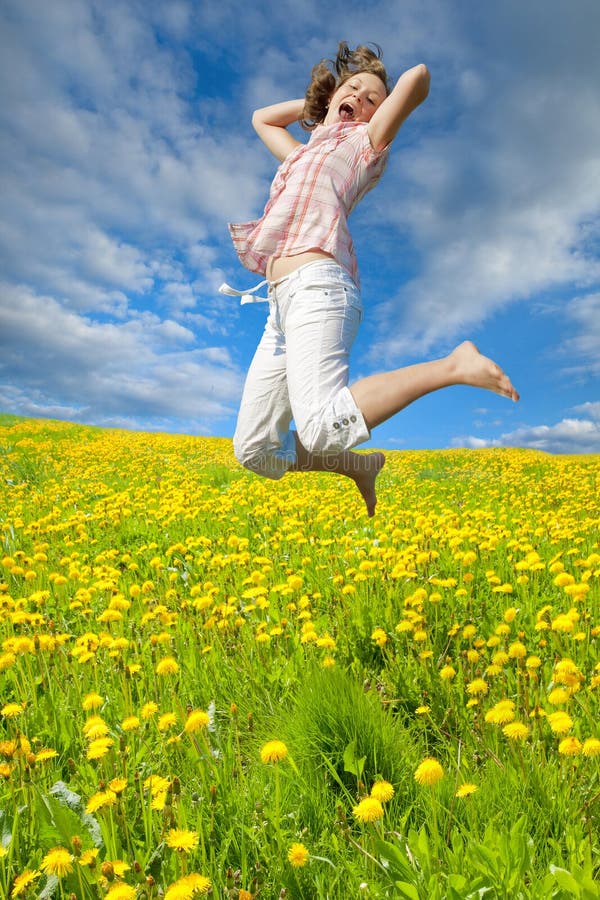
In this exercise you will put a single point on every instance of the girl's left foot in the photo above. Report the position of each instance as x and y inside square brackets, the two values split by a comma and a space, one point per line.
[366, 477]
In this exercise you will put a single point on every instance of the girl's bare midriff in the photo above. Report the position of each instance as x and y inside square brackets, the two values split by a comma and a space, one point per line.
[284, 265]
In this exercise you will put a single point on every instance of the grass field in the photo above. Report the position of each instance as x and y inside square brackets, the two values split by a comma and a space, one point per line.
[216, 684]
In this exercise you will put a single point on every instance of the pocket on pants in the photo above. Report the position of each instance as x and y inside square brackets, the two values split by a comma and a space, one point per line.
[320, 299]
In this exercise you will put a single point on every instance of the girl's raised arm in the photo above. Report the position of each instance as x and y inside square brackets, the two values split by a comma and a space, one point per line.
[410, 90]
[270, 123]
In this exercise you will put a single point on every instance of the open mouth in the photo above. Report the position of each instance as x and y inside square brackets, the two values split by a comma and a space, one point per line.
[346, 112]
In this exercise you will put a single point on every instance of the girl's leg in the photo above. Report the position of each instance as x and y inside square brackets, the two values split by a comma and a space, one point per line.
[381, 396]
[262, 440]
[362, 468]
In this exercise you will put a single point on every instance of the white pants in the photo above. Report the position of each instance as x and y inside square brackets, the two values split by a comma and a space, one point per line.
[300, 371]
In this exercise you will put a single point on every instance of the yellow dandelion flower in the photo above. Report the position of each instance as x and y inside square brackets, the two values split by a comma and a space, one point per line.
[517, 650]
[95, 727]
[560, 722]
[502, 713]
[570, 746]
[196, 720]
[447, 673]
[429, 772]
[57, 861]
[188, 886]
[130, 723]
[121, 892]
[500, 658]
[159, 801]
[89, 857]
[149, 710]
[422, 710]
[92, 701]
[166, 721]
[326, 642]
[563, 623]
[382, 791]
[379, 637]
[273, 751]
[465, 790]
[167, 666]
[156, 784]
[22, 881]
[591, 747]
[328, 662]
[100, 801]
[99, 748]
[118, 785]
[182, 840]
[368, 810]
[298, 855]
[118, 866]
[493, 670]
[516, 731]
[45, 754]
[12, 710]
[557, 696]
[245, 895]
[477, 686]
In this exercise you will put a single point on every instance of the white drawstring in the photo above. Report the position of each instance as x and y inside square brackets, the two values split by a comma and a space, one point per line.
[247, 296]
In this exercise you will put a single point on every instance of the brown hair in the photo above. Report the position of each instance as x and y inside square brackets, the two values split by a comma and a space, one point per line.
[323, 81]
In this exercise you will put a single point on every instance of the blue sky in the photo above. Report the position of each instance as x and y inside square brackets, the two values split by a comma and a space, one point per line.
[126, 146]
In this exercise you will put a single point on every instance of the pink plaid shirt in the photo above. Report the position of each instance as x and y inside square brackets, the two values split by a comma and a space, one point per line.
[314, 191]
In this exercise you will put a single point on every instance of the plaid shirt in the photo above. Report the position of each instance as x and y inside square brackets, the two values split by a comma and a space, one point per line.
[314, 191]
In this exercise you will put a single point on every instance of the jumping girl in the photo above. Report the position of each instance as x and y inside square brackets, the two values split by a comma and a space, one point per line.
[303, 246]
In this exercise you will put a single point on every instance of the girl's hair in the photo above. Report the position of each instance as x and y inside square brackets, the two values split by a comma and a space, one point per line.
[323, 81]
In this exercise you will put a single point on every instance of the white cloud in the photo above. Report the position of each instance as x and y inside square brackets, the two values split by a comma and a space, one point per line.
[137, 368]
[503, 201]
[591, 409]
[567, 436]
[126, 145]
[584, 347]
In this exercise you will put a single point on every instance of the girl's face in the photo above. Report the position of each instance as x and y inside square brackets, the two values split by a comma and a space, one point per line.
[356, 99]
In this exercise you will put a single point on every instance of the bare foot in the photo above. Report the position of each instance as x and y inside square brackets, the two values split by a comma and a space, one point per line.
[478, 371]
[366, 477]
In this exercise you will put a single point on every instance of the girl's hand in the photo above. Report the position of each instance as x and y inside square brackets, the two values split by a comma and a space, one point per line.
[271, 123]
[411, 89]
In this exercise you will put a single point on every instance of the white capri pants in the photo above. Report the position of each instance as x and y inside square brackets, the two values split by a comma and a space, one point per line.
[300, 372]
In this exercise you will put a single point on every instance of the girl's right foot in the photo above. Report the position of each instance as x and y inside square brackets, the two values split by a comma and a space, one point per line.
[474, 369]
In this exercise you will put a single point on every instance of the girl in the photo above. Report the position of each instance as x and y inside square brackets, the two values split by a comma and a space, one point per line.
[303, 246]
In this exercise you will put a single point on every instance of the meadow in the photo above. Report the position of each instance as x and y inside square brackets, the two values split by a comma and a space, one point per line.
[218, 685]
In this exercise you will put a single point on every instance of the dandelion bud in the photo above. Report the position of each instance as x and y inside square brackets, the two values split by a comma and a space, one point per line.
[71, 765]
[108, 871]
[176, 786]
[195, 797]
[76, 844]
[250, 722]
[233, 709]
[213, 793]
[150, 881]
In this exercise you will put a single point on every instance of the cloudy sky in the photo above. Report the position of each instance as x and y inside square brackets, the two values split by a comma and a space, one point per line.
[126, 146]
